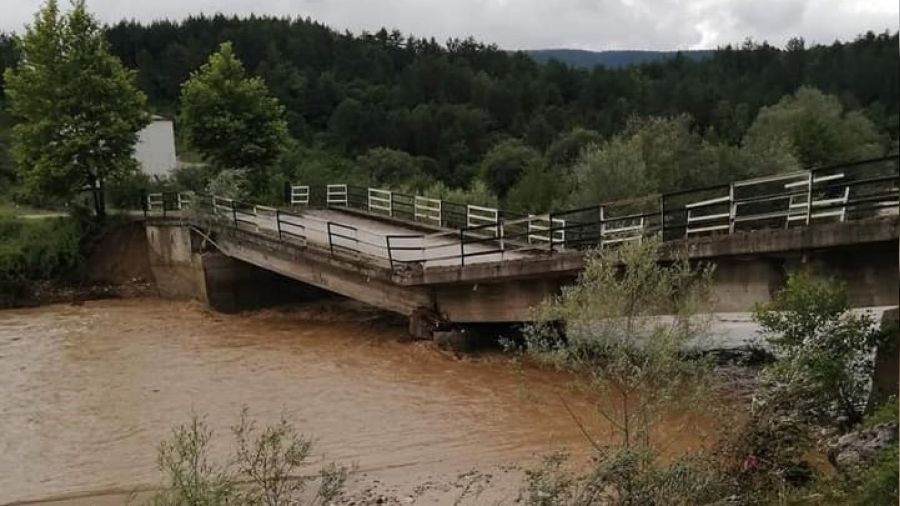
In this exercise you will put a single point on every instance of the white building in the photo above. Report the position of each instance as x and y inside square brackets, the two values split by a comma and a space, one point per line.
[155, 148]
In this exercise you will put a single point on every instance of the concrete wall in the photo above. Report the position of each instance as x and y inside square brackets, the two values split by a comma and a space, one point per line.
[175, 264]
[868, 270]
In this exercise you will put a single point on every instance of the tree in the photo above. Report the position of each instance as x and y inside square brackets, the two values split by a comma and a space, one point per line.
[230, 118]
[568, 146]
[623, 329]
[391, 168]
[616, 335]
[504, 164]
[537, 191]
[78, 108]
[610, 171]
[817, 128]
[657, 155]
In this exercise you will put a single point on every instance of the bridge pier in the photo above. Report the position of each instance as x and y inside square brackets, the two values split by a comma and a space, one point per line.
[423, 323]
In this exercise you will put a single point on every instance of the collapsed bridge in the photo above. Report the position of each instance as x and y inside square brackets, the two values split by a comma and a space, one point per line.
[434, 260]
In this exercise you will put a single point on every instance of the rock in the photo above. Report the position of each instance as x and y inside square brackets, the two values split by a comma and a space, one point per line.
[860, 448]
[886, 366]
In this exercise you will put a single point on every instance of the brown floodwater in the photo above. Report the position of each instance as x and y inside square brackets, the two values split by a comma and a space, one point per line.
[89, 391]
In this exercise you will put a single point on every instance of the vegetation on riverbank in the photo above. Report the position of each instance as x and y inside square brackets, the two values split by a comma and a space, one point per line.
[38, 250]
[810, 401]
[47, 258]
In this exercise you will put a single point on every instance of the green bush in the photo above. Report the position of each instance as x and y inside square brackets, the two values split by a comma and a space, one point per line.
[268, 468]
[35, 250]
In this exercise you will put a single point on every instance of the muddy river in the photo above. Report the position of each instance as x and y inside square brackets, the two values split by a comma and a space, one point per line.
[89, 391]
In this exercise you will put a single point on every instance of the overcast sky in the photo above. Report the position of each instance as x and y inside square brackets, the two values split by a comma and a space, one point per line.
[530, 24]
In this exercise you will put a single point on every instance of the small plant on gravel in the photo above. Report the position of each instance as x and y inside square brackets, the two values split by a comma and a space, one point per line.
[272, 459]
[192, 479]
[266, 469]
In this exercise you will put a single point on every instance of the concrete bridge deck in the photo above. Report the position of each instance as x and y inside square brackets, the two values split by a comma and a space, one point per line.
[355, 233]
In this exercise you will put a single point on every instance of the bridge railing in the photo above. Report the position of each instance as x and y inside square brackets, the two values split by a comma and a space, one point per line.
[476, 233]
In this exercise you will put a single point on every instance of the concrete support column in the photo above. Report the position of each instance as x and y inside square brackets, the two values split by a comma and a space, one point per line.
[423, 322]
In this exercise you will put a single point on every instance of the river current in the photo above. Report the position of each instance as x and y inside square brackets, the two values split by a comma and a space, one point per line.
[89, 391]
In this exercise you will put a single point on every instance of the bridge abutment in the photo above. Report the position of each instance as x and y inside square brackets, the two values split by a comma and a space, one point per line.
[184, 268]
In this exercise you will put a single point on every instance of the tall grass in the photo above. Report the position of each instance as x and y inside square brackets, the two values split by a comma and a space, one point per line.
[37, 250]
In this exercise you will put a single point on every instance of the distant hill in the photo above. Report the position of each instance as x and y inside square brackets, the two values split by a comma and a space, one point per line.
[611, 59]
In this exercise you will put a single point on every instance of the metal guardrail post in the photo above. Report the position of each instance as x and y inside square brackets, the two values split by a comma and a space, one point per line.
[330, 242]
[732, 209]
[662, 217]
[462, 248]
[602, 226]
[809, 190]
[278, 222]
[550, 230]
[387, 240]
[234, 214]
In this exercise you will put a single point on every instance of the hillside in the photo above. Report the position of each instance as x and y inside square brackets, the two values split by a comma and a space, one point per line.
[613, 59]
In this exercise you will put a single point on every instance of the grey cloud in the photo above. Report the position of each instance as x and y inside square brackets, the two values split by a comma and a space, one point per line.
[515, 24]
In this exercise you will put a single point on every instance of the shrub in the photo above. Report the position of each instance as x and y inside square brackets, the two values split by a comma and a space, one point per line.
[191, 479]
[35, 250]
[628, 476]
[265, 470]
[823, 348]
[624, 328]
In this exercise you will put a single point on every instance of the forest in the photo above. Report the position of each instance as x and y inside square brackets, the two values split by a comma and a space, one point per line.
[466, 119]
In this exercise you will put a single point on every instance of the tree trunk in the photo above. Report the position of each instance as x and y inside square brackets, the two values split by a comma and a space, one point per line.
[99, 201]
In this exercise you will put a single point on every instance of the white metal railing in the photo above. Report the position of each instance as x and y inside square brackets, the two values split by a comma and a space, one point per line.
[778, 203]
[478, 216]
[803, 207]
[707, 216]
[699, 222]
[157, 200]
[381, 200]
[539, 229]
[267, 218]
[299, 195]
[619, 230]
[336, 195]
[629, 230]
[428, 209]
[222, 206]
[798, 210]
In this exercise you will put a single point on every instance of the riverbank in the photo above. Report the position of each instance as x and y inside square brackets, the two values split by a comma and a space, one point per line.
[65, 259]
